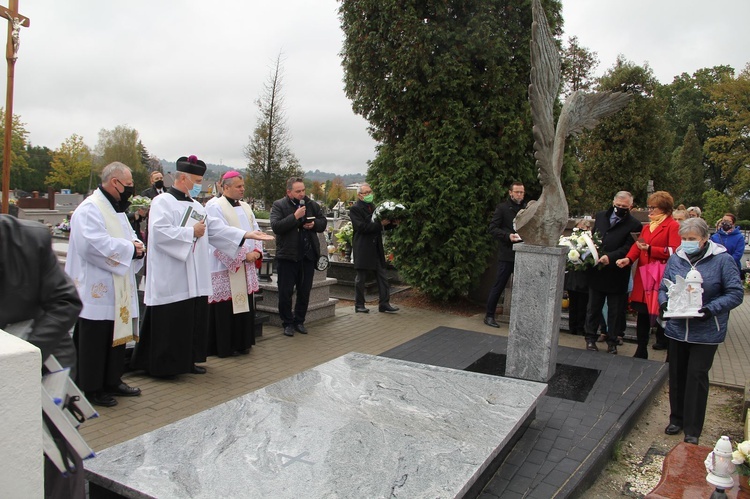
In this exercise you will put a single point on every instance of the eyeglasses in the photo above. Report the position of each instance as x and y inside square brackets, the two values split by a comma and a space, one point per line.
[650, 208]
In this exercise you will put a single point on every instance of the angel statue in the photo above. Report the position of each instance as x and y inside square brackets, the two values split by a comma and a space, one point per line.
[542, 222]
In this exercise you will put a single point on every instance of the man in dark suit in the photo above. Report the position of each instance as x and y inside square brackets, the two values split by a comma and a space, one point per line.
[296, 220]
[501, 229]
[157, 185]
[607, 281]
[369, 255]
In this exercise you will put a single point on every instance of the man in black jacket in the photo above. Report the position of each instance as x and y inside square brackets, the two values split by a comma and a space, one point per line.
[607, 281]
[501, 228]
[295, 220]
[369, 255]
[34, 286]
[157, 185]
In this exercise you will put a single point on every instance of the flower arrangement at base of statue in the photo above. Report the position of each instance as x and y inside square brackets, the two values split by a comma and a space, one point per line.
[345, 238]
[583, 249]
[741, 460]
[64, 226]
[138, 203]
[389, 210]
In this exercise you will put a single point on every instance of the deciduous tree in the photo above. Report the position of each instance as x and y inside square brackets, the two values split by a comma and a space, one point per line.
[727, 148]
[630, 147]
[444, 87]
[18, 157]
[71, 165]
[270, 159]
[121, 144]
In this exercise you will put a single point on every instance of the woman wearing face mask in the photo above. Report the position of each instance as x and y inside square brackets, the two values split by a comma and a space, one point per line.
[657, 242]
[693, 342]
[730, 236]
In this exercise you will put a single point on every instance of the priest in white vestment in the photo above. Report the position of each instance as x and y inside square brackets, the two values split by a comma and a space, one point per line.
[178, 278]
[231, 328]
[103, 256]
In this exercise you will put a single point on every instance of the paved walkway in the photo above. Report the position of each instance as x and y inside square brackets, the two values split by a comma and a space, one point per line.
[276, 357]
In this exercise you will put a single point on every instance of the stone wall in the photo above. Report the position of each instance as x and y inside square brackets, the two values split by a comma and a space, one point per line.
[22, 470]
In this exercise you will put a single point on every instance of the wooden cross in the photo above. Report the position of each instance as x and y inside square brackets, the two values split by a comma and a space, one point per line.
[15, 21]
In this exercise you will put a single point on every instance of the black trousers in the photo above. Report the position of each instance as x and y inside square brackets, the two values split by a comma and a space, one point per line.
[294, 275]
[229, 332]
[643, 331]
[100, 365]
[384, 291]
[689, 364]
[616, 306]
[504, 271]
[578, 305]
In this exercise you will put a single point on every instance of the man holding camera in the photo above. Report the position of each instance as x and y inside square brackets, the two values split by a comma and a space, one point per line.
[295, 219]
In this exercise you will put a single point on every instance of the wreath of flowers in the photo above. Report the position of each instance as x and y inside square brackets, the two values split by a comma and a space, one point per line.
[583, 249]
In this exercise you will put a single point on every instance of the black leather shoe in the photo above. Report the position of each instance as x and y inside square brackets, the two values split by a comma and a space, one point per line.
[657, 346]
[590, 345]
[612, 349]
[388, 308]
[102, 399]
[300, 328]
[288, 331]
[673, 429]
[362, 310]
[490, 321]
[689, 439]
[123, 390]
[198, 369]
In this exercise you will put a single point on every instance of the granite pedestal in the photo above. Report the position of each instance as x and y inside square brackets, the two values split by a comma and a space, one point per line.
[357, 426]
[536, 303]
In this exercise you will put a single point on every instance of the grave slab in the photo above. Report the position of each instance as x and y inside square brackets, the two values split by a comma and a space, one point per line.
[357, 426]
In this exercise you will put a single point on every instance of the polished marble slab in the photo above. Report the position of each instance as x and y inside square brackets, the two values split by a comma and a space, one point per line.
[357, 426]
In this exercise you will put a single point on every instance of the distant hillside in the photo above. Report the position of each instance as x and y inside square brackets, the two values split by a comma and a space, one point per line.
[216, 171]
[212, 172]
[349, 178]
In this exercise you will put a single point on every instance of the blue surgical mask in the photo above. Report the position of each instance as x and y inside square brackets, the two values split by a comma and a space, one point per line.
[195, 190]
[691, 247]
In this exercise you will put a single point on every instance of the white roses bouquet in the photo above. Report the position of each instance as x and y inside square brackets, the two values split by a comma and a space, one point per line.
[139, 202]
[583, 249]
[741, 458]
[389, 210]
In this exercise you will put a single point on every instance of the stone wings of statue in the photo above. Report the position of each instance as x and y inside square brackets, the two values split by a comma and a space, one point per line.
[543, 221]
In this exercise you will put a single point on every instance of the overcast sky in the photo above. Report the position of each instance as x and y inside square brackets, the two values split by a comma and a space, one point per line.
[185, 73]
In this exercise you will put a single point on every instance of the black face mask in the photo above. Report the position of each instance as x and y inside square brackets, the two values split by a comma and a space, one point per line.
[621, 212]
[159, 184]
[127, 192]
[726, 226]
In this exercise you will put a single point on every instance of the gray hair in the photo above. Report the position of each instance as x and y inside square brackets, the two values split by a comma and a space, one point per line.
[178, 175]
[226, 181]
[696, 226]
[359, 187]
[694, 209]
[623, 195]
[112, 168]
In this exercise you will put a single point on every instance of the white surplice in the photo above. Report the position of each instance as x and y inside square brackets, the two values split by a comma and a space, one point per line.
[178, 265]
[221, 263]
[94, 255]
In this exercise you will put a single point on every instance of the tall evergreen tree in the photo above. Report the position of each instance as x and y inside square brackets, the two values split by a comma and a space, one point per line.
[631, 147]
[39, 161]
[444, 87]
[688, 182]
[270, 159]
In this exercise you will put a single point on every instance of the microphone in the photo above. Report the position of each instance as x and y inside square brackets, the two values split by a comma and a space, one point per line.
[301, 203]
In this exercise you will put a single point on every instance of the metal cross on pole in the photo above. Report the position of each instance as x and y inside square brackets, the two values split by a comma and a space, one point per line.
[15, 21]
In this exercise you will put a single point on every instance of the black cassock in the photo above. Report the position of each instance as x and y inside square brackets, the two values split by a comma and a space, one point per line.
[173, 337]
[228, 332]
